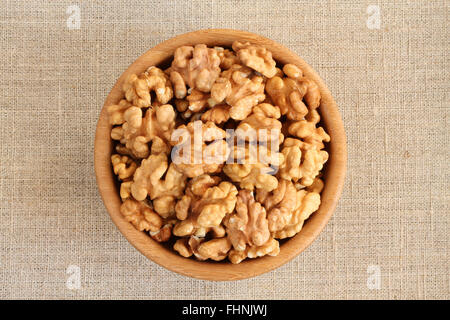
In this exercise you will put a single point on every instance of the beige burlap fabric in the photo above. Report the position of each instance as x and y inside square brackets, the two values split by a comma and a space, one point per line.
[392, 86]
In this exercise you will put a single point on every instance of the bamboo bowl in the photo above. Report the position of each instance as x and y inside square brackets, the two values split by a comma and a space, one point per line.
[164, 256]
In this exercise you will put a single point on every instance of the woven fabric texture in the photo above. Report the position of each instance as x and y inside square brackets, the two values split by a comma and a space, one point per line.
[391, 82]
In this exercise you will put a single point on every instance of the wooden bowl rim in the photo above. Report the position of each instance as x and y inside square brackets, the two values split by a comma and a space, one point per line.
[335, 172]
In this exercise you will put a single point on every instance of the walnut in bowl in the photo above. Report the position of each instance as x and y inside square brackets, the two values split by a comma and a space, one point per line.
[223, 95]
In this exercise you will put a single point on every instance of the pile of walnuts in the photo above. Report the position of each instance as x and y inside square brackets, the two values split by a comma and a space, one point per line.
[222, 209]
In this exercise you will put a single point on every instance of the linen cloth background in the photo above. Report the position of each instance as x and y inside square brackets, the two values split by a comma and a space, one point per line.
[392, 86]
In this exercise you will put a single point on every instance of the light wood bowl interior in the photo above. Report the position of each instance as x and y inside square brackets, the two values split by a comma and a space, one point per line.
[333, 176]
